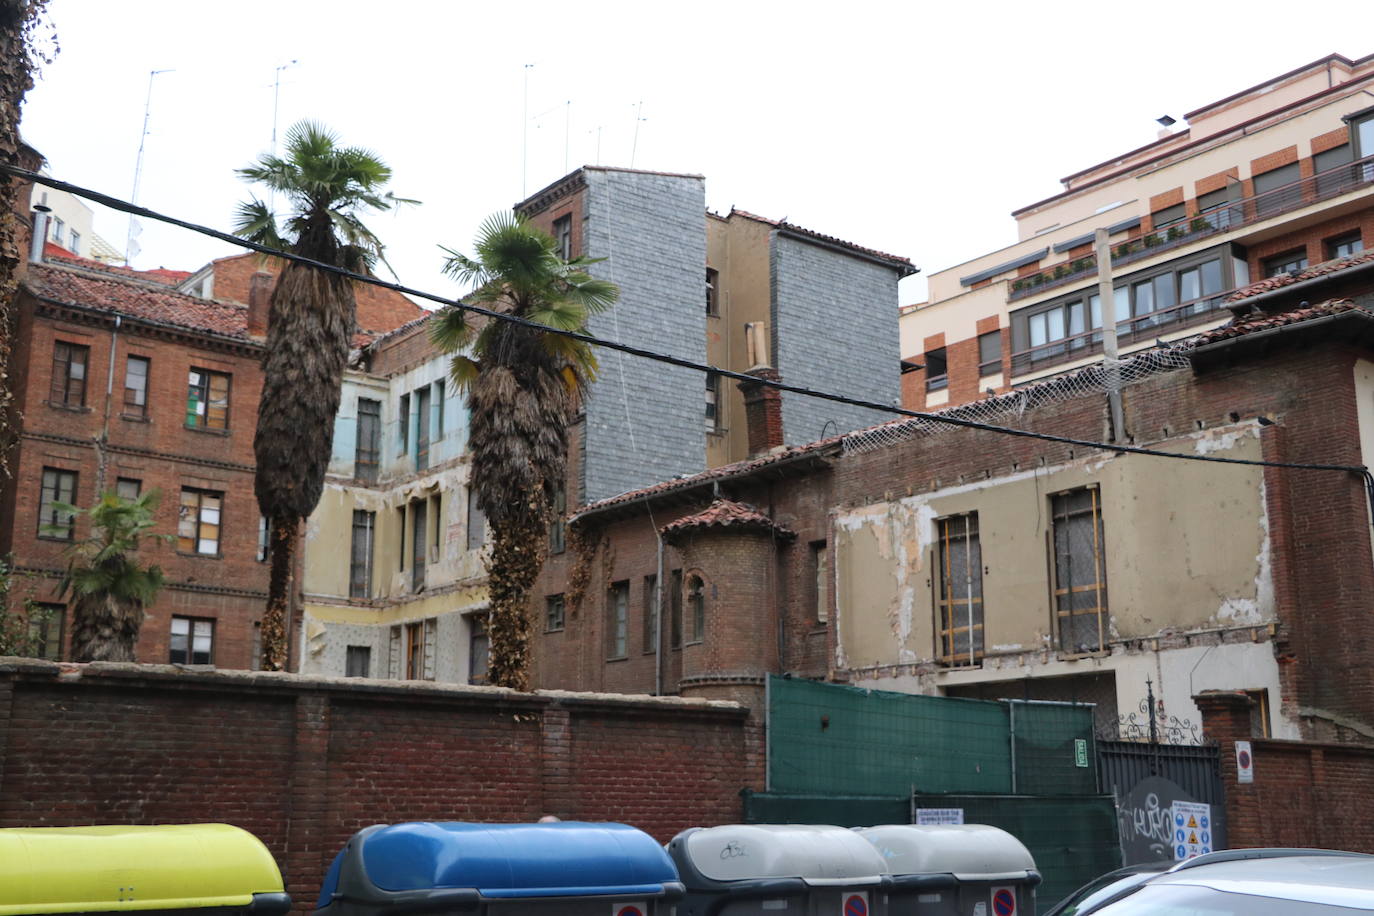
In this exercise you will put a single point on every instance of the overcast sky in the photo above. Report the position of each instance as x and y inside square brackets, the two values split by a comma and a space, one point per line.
[915, 128]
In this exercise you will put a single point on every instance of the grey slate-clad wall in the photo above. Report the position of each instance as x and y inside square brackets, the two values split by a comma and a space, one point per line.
[645, 420]
[834, 328]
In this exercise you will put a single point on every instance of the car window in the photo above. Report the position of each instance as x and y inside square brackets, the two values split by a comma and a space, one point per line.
[1192, 900]
[1100, 890]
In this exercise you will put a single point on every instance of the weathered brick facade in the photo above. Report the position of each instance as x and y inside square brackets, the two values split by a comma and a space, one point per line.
[305, 763]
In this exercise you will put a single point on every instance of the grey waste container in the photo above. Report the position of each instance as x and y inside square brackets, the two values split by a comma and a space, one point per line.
[955, 870]
[777, 870]
[568, 869]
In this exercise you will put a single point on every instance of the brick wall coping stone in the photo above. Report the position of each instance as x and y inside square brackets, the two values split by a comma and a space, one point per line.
[196, 678]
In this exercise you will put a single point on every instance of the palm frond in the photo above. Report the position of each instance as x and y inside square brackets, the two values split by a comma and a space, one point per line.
[255, 221]
[449, 330]
[463, 372]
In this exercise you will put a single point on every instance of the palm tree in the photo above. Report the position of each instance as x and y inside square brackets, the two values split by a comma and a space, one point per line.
[109, 588]
[310, 327]
[523, 386]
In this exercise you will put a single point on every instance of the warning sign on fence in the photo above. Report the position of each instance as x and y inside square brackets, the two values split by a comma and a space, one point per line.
[1192, 829]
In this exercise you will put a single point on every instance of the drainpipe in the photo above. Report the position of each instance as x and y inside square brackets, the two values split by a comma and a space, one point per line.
[1107, 297]
[104, 438]
[40, 232]
[658, 619]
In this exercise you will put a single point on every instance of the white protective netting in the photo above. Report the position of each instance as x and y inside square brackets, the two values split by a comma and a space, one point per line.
[1008, 409]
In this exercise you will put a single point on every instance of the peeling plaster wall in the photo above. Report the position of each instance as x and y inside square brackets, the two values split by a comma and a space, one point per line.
[1186, 550]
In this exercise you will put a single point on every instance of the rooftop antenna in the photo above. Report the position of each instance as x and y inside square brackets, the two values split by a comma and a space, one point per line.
[525, 144]
[134, 228]
[276, 98]
[634, 146]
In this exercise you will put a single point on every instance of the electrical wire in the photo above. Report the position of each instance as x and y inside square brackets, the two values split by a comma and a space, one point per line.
[126, 207]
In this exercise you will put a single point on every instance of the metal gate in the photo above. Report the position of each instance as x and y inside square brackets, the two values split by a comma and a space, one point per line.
[1159, 754]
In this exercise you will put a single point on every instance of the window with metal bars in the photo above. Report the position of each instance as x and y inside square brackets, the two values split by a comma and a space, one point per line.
[367, 449]
[1080, 571]
[960, 598]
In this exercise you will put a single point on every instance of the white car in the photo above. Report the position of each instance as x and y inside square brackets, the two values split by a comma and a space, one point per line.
[1291, 885]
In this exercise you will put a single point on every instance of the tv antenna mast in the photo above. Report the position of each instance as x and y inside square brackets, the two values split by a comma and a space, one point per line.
[134, 228]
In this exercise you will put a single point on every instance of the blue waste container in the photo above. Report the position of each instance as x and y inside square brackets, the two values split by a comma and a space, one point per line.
[778, 870]
[572, 869]
[955, 870]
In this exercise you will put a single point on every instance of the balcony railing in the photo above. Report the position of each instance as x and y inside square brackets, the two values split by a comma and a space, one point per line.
[1305, 191]
[1128, 331]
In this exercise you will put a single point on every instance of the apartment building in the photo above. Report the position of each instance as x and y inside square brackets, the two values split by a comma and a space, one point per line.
[1274, 179]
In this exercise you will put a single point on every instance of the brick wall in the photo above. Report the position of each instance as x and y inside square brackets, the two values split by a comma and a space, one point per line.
[1303, 793]
[305, 763]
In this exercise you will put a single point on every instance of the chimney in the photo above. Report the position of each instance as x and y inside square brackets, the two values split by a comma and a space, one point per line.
[259, 302]
[40, 233]
[762, 411]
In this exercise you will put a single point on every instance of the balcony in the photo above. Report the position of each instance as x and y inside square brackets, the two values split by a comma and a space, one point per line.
[1128, 331]
[1235, 214]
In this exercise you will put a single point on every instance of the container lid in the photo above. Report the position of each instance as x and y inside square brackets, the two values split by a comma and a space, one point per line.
[499, 860]
[112, 869]
[970, 852]
[818, 855]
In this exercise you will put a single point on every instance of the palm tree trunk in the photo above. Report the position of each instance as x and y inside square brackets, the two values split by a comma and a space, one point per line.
[282, 550]
[105, 628]
[517, 550]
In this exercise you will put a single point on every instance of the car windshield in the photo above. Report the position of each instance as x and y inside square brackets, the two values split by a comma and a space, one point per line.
[1191, 900]
[1104, 888]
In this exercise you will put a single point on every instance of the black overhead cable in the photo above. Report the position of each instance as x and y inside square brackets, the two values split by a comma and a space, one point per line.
[115, 203]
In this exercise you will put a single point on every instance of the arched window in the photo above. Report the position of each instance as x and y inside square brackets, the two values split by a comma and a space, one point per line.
[696, 608]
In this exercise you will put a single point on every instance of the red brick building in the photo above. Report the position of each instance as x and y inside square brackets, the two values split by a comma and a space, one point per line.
[970, 563]
[126, 381]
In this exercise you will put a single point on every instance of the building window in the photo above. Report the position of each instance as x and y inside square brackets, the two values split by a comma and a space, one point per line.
[1259, 713]
[675, 608]
[558, 525]
[255, 648]
[198, 523]
[368, 446]
[712, 402]
[712, 292]
[1162, 219]
[1277, 190]
[59, 488]
[1333, 175]
[358, 661]
[128, 488]
[207, 400]
[562, 234]
[617, 619]
[937, 370]
[650, 614]
[193, 641]
[403, 424]
[68, 388]
[1362, 142]
[136, 386]
[421, 399]
[696, 607]
[1080, 571]
[419, 525]
[439, 391]
[263, 531]
[58, 226]
[960, 598]
[76, 242]
[820, 566]
[554, 611]
[419, 649]
[436, 513]
[990, 353]
[1344, 246]
[477, 522]
[45, 631]
[1213, 208]
[360, 556]
[1290, 262]
[479, 649]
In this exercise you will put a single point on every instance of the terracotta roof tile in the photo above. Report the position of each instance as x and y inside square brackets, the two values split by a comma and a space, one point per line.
[1263, 321]
[135, 299]
[162, 276]
[829, 239]
[1310, 273]
[724, 513]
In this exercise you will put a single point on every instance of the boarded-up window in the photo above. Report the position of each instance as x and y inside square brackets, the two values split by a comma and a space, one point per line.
[207, 400]
[961, 590]
[1080, 571]
[199, 520]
